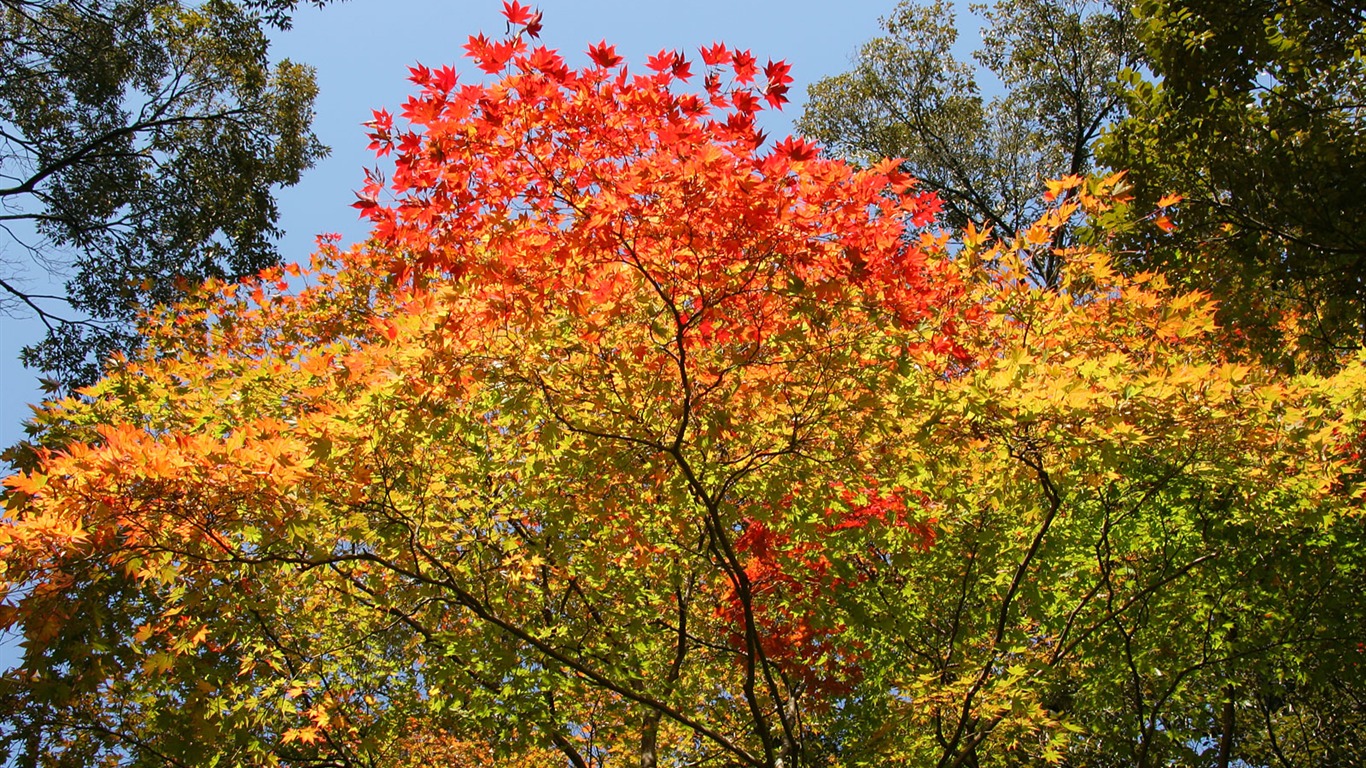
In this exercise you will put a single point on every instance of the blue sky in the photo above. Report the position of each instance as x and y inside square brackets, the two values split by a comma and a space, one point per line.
[362, 49]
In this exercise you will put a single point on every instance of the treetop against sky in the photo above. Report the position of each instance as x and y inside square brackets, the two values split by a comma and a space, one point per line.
[361, 51]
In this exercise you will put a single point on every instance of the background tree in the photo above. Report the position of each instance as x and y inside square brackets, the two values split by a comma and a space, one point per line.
[624, 441]
[140, 141]
[1254, 112]
[909, 97]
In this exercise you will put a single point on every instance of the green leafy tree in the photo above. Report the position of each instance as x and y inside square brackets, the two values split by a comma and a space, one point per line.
[140, 143]
[910, 97]
[1254, 113]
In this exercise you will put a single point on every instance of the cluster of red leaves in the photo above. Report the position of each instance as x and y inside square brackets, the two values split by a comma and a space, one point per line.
[790, 579]
[786, 580]
[888, 508]
[552, 185]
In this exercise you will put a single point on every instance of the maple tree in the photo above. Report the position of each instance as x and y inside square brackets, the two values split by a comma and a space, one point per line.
[627, 440]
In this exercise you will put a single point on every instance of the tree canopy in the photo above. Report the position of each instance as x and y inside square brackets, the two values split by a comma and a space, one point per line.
[140, 144]
[1255, 114]
[629, 438]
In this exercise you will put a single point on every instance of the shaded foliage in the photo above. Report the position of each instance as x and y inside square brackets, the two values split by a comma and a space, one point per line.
[909, 97]
[140, 144]
[1255, 115]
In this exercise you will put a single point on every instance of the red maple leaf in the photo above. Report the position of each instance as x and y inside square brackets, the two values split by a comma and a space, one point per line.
[716, 55]
[516, 13]
[778, 79]
[744, 64]
[681, 68]
[492, 57]
[690, 105]
[604, 55]
[381, 139]
[444, 79]
[474, 49]
[661, 61]
[744, 101]
[798, 150]
[740, 124]
[364, 204]
[777, 72]
[409, 143]
[776, 95]
[533, 27]
[545, 60]
[383, 122]
[891, 168]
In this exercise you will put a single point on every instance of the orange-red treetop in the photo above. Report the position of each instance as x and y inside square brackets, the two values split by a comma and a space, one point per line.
[555, 187]
[615, 246]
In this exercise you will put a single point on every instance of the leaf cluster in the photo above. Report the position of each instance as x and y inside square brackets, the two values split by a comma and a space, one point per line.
[1255, 114]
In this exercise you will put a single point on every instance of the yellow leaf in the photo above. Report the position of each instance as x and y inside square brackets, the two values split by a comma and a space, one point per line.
[306, 735]
[974, 237]
[1058, 186]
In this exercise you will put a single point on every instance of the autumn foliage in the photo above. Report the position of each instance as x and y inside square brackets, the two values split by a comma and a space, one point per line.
[626, 439]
